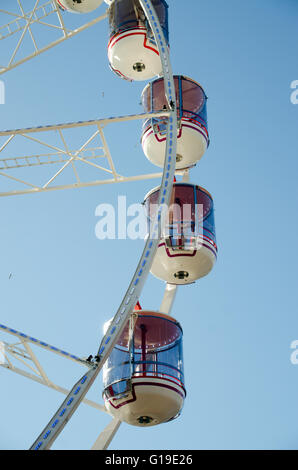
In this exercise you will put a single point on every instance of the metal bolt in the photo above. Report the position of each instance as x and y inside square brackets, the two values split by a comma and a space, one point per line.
[145, 419]
[181, 274]
[139, 67]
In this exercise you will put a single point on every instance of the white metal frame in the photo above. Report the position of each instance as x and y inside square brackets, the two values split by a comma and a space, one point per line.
[46, 13]
[104, 439]
[29, 365]
[93, 149]
[86, 154]
[81, 387]
[19, 357]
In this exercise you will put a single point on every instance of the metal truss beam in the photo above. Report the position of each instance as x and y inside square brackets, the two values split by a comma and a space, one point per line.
[94, 148]
[20, 358]
[23, 23]
[105, 438]
[168, 298]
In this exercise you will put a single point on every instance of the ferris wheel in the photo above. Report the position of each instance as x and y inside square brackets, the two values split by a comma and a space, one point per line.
[140, 353]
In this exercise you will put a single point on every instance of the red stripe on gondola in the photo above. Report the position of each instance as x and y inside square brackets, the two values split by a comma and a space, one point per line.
[123, 31]
[64, 8]
[146, 133]
[155, 384]
[132, 34]
[186, 254]
[121, 74]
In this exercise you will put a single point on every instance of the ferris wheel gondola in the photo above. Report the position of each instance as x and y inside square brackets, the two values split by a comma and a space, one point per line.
[132, 50]
[187, 250]
[151, 391]
[192, 136]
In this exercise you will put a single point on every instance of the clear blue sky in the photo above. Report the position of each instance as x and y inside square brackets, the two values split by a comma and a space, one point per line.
[239, 321]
